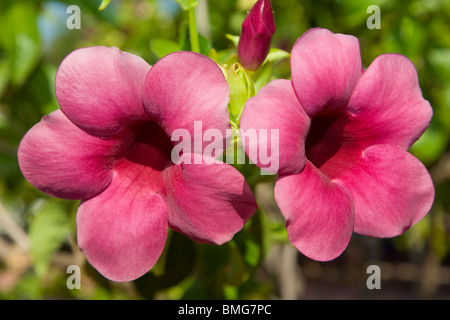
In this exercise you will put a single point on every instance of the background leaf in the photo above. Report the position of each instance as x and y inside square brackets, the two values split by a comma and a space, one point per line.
[162, 47]
[104, 4]
[48, 230]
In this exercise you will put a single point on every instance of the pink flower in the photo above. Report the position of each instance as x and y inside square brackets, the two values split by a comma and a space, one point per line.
[110, 146]
[256, 37]
[343, 140]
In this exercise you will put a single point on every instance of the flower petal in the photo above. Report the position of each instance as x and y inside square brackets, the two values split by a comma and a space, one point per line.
[387, 104]
[62, 160]
[122, 231]
[207, 202]
[185, 87]
[325, 69]
[319, 213]
[276, 108]
[100, 89]
[391, 189]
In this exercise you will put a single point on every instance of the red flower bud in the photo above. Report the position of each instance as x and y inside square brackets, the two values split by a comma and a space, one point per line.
[257, 30]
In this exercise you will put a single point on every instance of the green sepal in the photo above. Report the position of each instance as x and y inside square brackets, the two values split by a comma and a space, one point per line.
[241, 89]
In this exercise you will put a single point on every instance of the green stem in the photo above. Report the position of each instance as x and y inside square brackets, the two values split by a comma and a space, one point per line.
[195, 45]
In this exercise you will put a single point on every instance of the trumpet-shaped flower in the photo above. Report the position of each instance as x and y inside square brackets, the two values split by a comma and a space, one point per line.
[344, 133]
[109, 145]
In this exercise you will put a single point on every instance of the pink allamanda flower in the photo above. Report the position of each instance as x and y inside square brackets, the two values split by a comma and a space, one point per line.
[256, 36]
[110, 146]
[344, 133]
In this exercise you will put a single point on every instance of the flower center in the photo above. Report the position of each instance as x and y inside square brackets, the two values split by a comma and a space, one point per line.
[325, 138]
[147, 156]
[151, 148]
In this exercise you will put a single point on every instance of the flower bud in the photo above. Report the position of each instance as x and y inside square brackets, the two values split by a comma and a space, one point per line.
[257, 30]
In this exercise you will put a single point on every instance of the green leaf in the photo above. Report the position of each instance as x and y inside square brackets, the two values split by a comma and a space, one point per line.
[187, 4]
[278, 232]
[185, 43]
[232, 38]
[231, 292]
[262, 76]
[162, 47]
[236, 270]
[431, 145]
[248, 247]
[205, 46]
[48, 230]
[5, 75]
[276, 55]
[440, 60]
[25, 58]
[20, 46]
[439, 239]
[104, 4]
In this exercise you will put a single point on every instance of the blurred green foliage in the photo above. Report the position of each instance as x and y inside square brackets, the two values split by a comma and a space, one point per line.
[34, 40]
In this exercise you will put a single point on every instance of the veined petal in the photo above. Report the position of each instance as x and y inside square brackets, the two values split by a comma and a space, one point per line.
[325, 68]
[62, 160]
[208, 202]
[319, 213]
[387, 105]
[184, 88]
[100, 89]
[122, 231]
[391, 189]
[275, 108]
